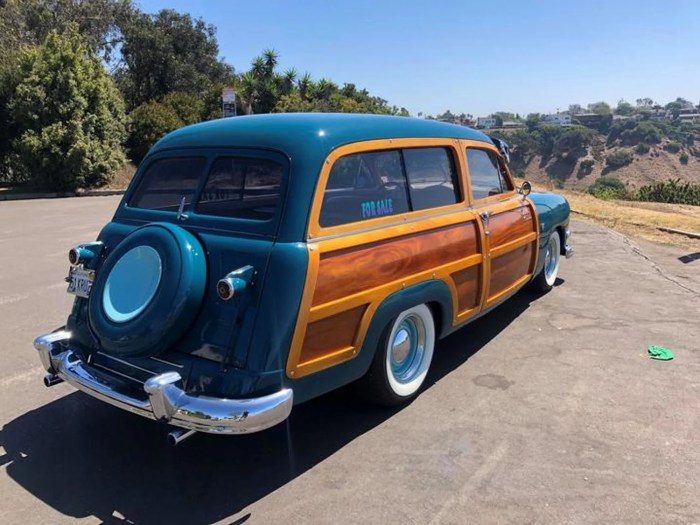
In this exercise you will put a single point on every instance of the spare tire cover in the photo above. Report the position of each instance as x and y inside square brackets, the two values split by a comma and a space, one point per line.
[148, 290]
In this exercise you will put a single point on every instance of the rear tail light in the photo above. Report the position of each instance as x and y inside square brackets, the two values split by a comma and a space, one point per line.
[84, 252]
[235, 282]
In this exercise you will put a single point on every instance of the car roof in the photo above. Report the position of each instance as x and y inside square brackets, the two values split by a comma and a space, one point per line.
[300, 132]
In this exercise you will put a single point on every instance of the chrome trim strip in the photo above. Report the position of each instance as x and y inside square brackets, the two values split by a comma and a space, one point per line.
[117, 373]
[389, 225]
[166, 401]
[126, 363]
[166, 362]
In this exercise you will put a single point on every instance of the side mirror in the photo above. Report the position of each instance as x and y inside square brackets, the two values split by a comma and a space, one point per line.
[525, 189]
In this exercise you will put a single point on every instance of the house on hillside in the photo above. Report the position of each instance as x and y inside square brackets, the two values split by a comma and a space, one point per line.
[592, 120]
[659, 114]
[485, 122]
[557, 119]
[510, 124]
[688, 115]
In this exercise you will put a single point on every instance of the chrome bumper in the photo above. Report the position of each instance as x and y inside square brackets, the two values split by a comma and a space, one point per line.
[163, 400]
[568, 250]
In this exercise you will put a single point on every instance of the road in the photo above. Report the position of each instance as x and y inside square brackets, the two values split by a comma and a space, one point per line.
[544, 411]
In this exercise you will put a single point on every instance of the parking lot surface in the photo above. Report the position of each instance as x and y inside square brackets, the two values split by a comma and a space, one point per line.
[546, 410]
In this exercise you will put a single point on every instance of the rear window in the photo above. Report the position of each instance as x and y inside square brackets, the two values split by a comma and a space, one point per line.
[431, 176]
[236, 186]
[363, 186]
[382, 183]
[167, 181]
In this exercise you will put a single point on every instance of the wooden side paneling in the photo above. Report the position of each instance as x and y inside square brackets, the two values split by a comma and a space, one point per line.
[346, 272]
[510, 226]
[510, 267]
[467, 284]
[331, 334]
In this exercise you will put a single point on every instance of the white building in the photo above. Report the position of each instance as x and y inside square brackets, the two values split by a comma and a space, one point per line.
[557, 119]
[485, 122]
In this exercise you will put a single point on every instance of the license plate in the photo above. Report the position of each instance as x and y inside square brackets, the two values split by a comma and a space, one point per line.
[80, 281]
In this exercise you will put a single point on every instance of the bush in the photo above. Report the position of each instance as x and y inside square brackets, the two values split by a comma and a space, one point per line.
[672, 147]
[684, 158]
[642, 149]
[69, 115]
[646, 132]
[587, 164]
[618, 159]
[147, 124]
[608, 187]
[671, 191]
[572, 142]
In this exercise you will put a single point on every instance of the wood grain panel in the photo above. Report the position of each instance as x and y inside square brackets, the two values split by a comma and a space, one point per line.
[331, 334]
[467, 283]
[510, 267]
[346, 272]
[510, 226]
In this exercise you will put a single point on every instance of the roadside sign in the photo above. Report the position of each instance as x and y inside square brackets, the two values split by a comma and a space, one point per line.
[228, 102]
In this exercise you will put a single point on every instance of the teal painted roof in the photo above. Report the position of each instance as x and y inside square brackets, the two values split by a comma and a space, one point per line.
[321, 132]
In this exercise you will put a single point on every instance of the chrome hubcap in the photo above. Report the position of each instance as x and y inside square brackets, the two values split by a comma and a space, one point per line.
[407, 348]
[551, 258]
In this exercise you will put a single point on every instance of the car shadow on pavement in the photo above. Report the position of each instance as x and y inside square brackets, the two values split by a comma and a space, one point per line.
[85, 458]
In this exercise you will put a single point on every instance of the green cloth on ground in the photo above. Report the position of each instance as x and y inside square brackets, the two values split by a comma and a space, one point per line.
[660, 353]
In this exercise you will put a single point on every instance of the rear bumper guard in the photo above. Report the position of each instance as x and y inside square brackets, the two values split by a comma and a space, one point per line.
[163, 399]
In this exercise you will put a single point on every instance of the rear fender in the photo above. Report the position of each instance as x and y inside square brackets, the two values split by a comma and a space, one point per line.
[434, 292]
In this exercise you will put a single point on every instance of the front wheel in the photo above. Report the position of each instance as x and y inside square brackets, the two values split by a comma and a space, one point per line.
[402, 359]
[547, 277]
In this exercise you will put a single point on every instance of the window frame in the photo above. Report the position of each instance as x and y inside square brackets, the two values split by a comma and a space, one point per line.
[315, 230]
[246, 227]
[503, 167]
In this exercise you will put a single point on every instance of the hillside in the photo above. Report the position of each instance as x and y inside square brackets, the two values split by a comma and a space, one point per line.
[636, 151]
[656, 166]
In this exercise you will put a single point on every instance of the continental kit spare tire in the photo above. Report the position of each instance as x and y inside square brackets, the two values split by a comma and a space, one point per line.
[148, 291]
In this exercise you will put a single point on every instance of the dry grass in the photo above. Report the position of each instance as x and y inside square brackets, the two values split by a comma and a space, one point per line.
[636, 218]
[122, 178]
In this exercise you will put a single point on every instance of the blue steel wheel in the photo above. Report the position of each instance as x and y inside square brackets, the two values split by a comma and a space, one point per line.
[402, 358]
[148, 291]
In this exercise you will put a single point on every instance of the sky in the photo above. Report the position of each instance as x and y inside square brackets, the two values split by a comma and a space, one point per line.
[473, 57]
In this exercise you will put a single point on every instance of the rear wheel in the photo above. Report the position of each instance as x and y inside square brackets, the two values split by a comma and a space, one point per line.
[402, 358]
[547, 277]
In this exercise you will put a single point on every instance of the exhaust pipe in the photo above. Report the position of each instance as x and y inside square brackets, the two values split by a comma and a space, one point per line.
[51, 380]
[178, 436]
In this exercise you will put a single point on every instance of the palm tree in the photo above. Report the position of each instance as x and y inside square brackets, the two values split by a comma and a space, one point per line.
[270, 57]
[304, 83]
[248, 91]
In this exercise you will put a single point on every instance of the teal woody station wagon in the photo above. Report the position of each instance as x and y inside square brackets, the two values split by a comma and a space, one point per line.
[257, 262]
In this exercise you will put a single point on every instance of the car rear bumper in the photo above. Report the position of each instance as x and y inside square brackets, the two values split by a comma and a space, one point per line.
[162, 399]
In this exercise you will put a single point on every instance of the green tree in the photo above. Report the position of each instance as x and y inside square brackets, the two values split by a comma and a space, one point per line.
[600, 108]
[188, 107]
[147, 124]
[572, 142]
[68, 113]
[533, 121]
[165, 52]
[624, 108]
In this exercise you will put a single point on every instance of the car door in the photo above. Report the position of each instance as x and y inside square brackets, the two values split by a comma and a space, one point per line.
[509, 225]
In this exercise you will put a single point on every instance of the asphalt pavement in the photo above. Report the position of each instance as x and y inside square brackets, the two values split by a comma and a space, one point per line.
[546, 410]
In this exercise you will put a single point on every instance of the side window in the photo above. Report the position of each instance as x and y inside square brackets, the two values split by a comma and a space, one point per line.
[431, 176]
[166, 182]
[241, 187]
[486, 174]
[362, 186]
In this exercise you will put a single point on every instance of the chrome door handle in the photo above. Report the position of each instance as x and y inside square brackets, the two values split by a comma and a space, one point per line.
[485, 216]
